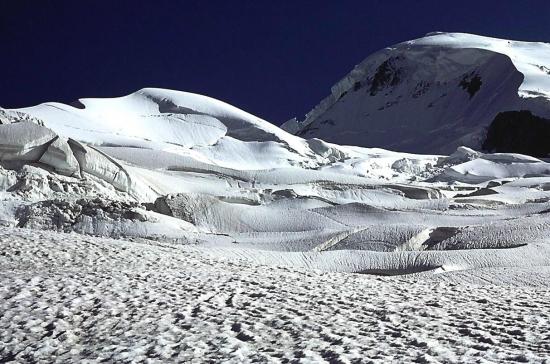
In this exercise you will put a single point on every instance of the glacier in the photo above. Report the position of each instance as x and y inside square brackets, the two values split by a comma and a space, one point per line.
[162, 164]
[170, 226]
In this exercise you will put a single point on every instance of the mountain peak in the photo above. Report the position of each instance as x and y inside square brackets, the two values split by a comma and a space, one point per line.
[432, 94]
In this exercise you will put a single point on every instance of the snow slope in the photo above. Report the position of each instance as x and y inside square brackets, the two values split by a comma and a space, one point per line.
[161, 119]
[75, 298]
[169, 165]
[433, 94]
[167, 226]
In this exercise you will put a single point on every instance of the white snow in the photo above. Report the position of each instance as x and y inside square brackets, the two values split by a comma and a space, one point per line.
[237, 241]
[243, 187]
[530, 58]
[72, 298]
[414, 95]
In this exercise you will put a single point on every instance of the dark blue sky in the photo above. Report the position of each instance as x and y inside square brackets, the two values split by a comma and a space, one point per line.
[275, 59]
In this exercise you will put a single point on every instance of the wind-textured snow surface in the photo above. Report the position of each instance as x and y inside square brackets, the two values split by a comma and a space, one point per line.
[170, 226]
[433, 94]
[69, 298]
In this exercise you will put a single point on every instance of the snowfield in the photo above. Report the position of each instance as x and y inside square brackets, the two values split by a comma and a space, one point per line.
[68, 297]
[167, 226]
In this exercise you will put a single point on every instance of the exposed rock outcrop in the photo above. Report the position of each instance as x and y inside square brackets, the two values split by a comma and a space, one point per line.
[519, 132]
[83, 215]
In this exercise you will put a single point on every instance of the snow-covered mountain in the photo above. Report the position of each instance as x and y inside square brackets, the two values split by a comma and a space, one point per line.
[170, 226]
[433, 94]
[163, 164]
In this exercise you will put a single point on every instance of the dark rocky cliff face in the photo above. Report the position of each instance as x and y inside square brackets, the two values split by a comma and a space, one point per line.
[387, 74]
[519, 132]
